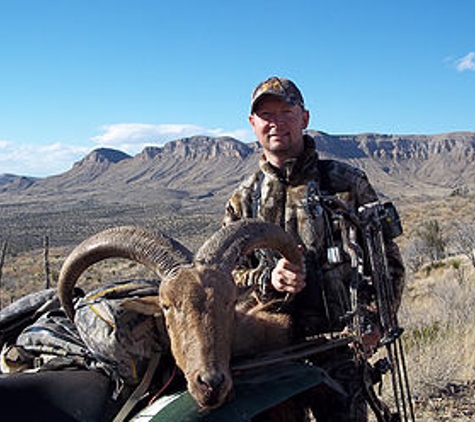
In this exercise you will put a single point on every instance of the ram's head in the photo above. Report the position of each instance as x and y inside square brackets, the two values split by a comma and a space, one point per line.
[197, 295]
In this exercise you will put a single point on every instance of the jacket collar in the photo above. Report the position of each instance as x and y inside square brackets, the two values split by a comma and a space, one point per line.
[296, 170]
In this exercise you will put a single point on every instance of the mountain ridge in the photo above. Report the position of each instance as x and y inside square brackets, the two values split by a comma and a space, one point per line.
[182, 187]
[203, 165]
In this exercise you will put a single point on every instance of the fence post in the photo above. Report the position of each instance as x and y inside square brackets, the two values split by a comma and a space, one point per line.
[2, 261]
[46, 262]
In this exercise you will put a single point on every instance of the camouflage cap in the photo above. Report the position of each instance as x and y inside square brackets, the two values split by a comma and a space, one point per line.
[283, 88]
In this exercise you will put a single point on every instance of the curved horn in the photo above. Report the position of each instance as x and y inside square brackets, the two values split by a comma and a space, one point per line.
[238, 239]
[160, 253]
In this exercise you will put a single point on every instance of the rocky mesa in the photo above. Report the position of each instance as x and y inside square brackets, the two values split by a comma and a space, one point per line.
[398, 165]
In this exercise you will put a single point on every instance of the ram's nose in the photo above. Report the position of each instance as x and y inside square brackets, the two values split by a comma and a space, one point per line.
[212, 388]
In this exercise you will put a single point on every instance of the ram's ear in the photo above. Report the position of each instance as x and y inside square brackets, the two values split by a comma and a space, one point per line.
[148, 305]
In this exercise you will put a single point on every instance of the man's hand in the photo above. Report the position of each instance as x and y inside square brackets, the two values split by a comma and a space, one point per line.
[370, 339]
[288, 277]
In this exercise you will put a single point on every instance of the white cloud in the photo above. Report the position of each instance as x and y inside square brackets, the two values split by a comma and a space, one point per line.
[4, 143]
[38, 160]
[56, 157]
[133, 137]
[466, 63]
[140, 132]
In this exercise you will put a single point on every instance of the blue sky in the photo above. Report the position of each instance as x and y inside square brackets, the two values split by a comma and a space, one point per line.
[76, 75]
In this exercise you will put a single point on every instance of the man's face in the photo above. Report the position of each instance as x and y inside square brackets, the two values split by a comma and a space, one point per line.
[278, 126]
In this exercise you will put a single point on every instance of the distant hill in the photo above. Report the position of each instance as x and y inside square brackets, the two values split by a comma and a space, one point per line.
[408, 165]
[191, 178]
[398, 165]
[13, 183]
[190, 167]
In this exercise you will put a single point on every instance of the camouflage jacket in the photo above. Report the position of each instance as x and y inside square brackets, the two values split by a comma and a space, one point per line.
[281, 197]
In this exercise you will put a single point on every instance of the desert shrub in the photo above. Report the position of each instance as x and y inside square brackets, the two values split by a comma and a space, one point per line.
[431, 234]
[426, 244]
[414, 254]
[424, 335]
[462, 239]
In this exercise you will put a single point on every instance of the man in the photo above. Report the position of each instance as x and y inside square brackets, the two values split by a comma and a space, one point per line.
[287, 190]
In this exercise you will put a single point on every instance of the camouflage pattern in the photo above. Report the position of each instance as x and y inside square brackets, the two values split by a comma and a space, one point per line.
[53, 342]
[21, 313]
[283, 88]
[281, 197]
[121, 338]
[105, 335]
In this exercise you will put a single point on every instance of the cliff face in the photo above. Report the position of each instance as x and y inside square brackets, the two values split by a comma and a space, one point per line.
[200, 167]
[400, 163]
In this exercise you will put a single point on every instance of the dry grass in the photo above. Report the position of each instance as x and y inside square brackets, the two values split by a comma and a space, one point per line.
[438, 314]
[24, 273]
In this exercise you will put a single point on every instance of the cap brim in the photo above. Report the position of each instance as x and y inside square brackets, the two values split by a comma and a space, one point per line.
[283, 98]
